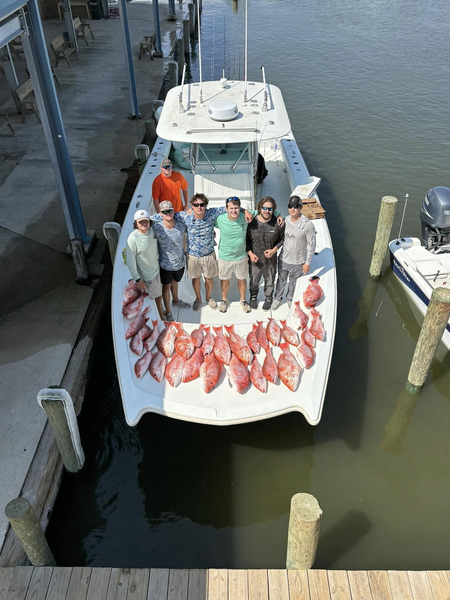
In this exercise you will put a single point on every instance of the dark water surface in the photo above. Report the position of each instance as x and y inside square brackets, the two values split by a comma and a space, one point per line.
[367, 87]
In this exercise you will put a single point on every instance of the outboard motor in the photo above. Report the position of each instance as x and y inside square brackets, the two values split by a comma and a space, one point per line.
[435, 217]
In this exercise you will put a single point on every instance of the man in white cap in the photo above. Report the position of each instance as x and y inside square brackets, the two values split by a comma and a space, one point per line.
[169, 185]
[143, 258]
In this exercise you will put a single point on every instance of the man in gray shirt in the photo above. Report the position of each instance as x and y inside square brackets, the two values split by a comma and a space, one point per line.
[298, 250]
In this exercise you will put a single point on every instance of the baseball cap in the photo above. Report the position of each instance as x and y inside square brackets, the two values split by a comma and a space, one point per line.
[141, 214]
[166, 162]
[295, 201]
[165, 205]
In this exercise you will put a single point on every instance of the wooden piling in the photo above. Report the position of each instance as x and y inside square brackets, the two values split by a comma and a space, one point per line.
[112, 232]
[150, 132]
[173, 73]
[195, 17]
[58, 406]
[141, 153]
[433, 328]
[191, 9]
[80, 262]
[180, 45]
[28, 530]
[303, 535]
[186, 36]
[385, 220]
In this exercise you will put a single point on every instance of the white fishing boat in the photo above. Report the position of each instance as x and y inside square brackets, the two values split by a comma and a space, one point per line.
[225, 125]
[424, 265]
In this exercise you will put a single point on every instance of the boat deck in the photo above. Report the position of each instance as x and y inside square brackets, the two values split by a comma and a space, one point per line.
[85, 583]
[435, 268]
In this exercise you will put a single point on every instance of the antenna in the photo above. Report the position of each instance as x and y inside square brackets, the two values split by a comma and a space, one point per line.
[245, 54]
[264, 108]
[200, 50]
[213, 50]
[403, 216]
[224, 46]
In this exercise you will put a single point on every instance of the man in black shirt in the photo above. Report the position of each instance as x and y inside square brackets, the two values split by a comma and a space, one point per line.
[264, 238]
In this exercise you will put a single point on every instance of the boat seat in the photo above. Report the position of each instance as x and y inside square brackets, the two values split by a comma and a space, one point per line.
[431, 268]
[220, 186]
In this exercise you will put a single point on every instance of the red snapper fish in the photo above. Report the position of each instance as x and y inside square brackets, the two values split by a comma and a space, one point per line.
[316, 326]
[137, 324]
[273, 332]
[288, 368]
[191, 369]
[252, 340]
[136, 344]
[305, 355]
[300, 315]
[270, 369]
[289, 334]
[197, 336]
[130, 292]
[313, 292]
[238, 374]
[257, 377]
[141, 366]
[239, 346]
[308, 338]
[158, 366]
[184, 344]
[221, 347]
[145, 332]
[166, 340]
[208, 341]
[261, 335]
[174, 370]
[210, 372]
[151, 340]
[134, 308]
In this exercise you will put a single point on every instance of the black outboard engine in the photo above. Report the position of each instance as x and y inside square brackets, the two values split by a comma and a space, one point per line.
[435, 217]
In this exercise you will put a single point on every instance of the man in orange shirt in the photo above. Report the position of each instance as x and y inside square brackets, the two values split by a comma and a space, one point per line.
[167, 186]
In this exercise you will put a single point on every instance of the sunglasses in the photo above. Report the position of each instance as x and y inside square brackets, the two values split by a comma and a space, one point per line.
[267, 208]
[169, 211]
[232, 199]
[198, 205]
[168, 167]
[294, 206]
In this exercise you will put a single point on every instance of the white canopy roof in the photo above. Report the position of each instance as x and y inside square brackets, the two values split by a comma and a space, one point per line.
[195, 125]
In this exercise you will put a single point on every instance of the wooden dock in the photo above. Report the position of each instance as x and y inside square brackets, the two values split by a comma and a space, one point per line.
[85, 583]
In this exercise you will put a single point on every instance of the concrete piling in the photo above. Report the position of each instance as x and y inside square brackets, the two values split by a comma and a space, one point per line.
[196, 17]
[385, 220]
[141, 154]
[180, 46]
[304, 529]
[433, 328]
[112, 232]
[29, 532]
[173, 73]
[150, 132]
[191, 9]
[80, 262]
[58, 406]
[186, 36]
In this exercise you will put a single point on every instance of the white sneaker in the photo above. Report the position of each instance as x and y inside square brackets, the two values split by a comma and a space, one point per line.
[275, 304]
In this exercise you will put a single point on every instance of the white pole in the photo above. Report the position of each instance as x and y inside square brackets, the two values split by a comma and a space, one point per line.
[200, 50]
[246, 53]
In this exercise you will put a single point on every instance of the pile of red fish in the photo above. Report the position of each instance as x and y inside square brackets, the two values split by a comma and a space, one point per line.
[181, 357]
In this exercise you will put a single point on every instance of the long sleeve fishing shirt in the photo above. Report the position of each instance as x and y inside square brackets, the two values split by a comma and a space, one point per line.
[299, 241]
[142, 255]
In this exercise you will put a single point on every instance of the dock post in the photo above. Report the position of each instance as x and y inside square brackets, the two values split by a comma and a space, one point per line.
[141, 154]
[186, 34]
[173, 73]
[112, 232]
[191, 9]
[180, 45]
[433, 328]
[58, 406]
[29, 532]
[385, 220]
[303, 534]
[80, 262]
[150, 132]
[196, 26]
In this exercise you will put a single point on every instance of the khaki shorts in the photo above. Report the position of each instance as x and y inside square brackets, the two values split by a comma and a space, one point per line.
[154, 287]
[237, 267]
[202, 265]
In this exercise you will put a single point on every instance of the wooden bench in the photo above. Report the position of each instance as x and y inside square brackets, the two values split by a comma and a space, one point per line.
[28, 102]
[6, 123]
[146, 45]
[61, 50]
[80, 32]
[83, 3]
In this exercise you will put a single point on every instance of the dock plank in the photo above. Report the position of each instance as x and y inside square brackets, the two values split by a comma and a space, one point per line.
[159, 584]
[359, 585]
[298, 585]
[278, 584]
[118, 584]
[59, 583]
[4, 582]
[400, 588]
[79, 583]
[198, 584]
[440, 584]
[178, 584]
[218, 584]
[258, 585]
[99, 583]
[420, 585]
[19, 583]
[138, 584]
[237, 584]
[379, 585]
[339, 586]
[319, 588]
[40, 579]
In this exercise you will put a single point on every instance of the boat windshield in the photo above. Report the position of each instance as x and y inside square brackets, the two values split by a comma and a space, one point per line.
[223, 154]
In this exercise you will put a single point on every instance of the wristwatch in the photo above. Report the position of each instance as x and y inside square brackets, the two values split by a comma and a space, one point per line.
[138, 280]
